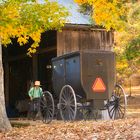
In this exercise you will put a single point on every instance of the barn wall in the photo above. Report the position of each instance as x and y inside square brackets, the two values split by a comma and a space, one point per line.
[74, 40]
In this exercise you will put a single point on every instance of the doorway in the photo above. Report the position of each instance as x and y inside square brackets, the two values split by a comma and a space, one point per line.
[45, 69]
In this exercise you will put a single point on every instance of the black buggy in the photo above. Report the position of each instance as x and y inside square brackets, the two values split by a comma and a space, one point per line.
[84, 82]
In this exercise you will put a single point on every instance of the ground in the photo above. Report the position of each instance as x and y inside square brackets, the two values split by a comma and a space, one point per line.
[133, 107]
[123, 129]
[128, 129]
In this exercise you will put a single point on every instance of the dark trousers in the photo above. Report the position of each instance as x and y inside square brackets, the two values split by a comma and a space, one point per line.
[34, 108]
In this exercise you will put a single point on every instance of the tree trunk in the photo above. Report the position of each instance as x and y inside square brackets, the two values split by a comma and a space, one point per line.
[4, 121]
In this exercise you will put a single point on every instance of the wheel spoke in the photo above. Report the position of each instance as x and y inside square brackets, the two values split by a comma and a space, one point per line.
[116, 113]
[63, 99]
[121, 111]
[112, 109]
[71, 110]
[112, 113]
[123, 107]
[63, 104]
[119, 115]
[63, 107]
[71, 98]
[42, 102]
[65, 113]
[71, 114]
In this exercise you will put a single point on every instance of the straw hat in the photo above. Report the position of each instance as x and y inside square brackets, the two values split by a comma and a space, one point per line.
[37, 83]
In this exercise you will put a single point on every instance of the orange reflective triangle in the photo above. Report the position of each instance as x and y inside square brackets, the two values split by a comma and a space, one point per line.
[99, 85]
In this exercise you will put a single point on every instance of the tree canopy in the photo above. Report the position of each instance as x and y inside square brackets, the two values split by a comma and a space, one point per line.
[107, 13]
[24, 19]
[128, 42]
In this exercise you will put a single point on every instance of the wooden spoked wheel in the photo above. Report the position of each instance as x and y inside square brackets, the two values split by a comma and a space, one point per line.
[47, 107]
[67, 103]
[117, 104]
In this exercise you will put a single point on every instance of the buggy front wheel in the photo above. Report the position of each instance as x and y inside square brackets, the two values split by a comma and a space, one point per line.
[47, 107]
[67, 103]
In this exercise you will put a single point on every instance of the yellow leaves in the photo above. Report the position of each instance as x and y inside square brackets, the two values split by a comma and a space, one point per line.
[84, 1]
[22, 40]
[25, 20]
[10, 11]
[5, 33]
[22, 34]
[36, 36]
[22, 30]
[120, 65]
[81, 1]
[107, 13]
[10, 31]
[31, 51]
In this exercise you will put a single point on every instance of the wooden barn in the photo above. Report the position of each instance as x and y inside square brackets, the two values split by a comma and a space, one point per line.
[20, 70]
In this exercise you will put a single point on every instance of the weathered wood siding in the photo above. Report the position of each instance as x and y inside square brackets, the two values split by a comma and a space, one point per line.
[74, 40]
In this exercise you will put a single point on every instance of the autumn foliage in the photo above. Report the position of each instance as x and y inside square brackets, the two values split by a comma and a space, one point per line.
[24, 19]
[109, 14]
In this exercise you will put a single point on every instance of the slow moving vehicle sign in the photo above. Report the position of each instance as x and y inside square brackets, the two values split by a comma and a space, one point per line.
[98, 85]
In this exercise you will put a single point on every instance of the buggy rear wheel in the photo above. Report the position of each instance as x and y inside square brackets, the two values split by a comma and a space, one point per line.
[67, 103]
[47, 107]
[117, 104]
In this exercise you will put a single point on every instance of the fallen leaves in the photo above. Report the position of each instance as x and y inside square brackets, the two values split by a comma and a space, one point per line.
[78, 130]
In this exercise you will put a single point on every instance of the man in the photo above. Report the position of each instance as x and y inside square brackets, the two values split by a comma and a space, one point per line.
[35, 93]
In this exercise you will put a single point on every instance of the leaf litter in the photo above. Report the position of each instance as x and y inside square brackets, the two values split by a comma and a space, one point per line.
[123, 129]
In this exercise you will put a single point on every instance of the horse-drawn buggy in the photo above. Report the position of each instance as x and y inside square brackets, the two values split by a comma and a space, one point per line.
[85, 83]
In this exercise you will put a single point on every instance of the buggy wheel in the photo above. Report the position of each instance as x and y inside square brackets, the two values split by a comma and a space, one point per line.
[67, 103]
[117, 104]
[47, 107]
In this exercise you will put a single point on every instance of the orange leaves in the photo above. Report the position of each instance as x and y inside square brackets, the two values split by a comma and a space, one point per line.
[81, 1]
[78, 130]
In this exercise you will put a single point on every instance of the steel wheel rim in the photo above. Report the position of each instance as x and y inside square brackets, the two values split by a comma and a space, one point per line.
[118, 103]
[68, 103]
[47, 107]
